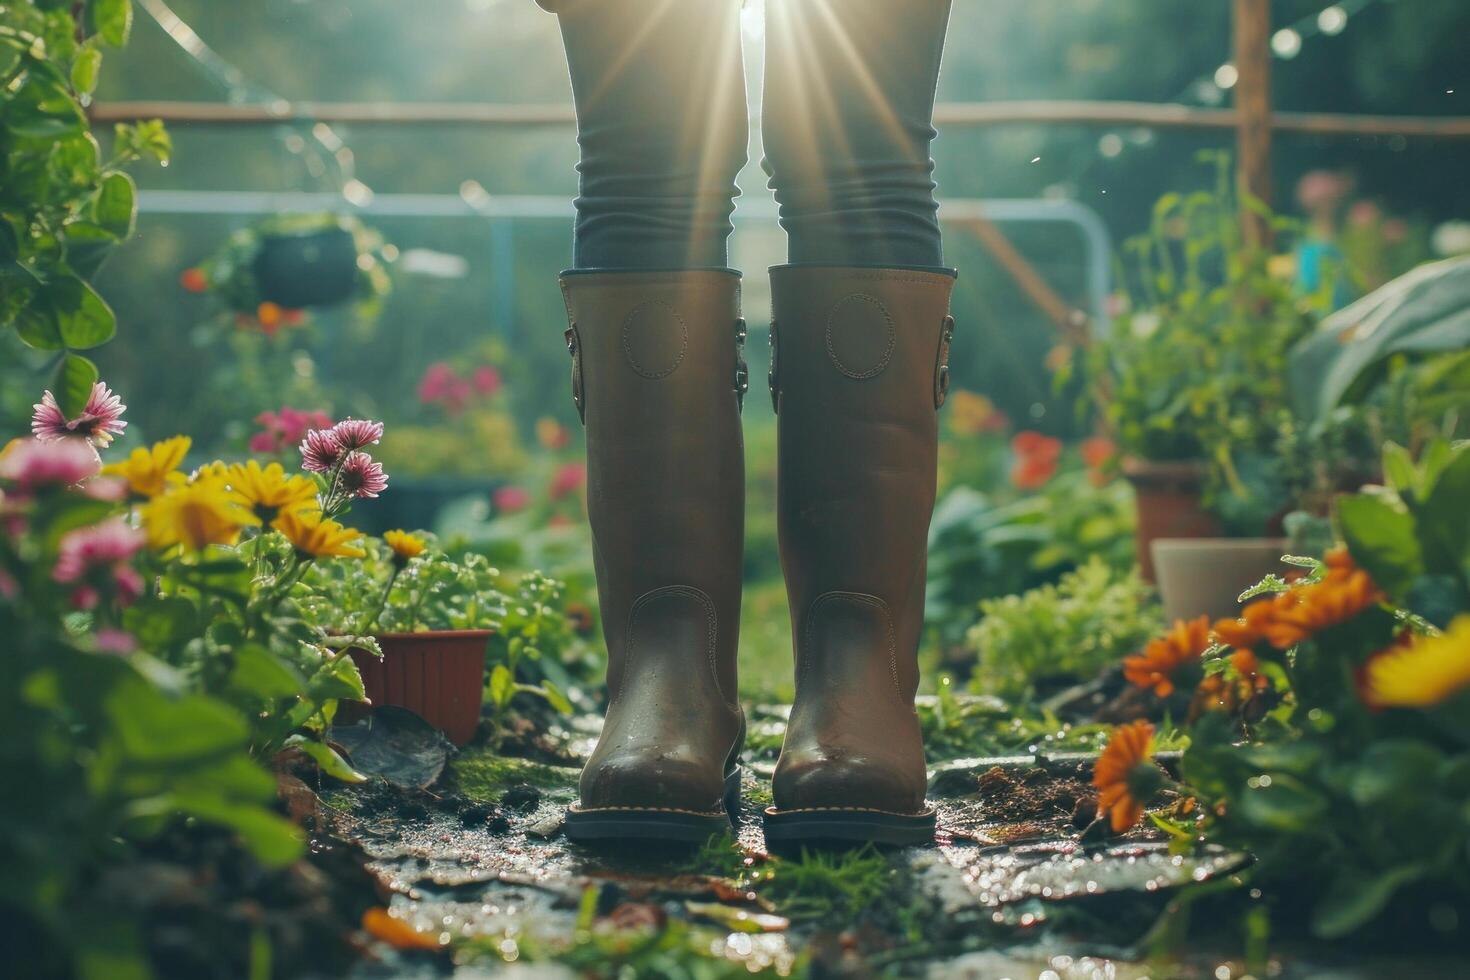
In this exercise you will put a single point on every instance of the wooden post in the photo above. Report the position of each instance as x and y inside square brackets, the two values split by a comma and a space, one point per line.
[1252, 21]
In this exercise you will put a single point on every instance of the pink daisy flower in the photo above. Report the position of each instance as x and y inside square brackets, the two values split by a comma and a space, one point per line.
[363, 476]
[320, 451]
[355, 433]
[508, 500]
[107, 543]
[99, 422]
[63, 462]
[90, 556]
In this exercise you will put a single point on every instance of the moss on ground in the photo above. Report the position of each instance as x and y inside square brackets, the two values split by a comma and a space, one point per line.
[482, 775]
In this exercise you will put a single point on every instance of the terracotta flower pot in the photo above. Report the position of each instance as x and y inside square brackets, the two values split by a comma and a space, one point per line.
[1205, 576]
[1168, 501]
[439, 675]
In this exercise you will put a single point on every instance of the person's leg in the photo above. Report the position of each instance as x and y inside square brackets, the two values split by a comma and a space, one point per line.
[661, 122]
[654, 336]
[847, 123]
[861, 332]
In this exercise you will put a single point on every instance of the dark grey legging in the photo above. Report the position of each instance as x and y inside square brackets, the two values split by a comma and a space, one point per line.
[847, 122]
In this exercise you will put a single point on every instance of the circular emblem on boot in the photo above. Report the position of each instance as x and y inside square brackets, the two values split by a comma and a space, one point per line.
[860, 336]
[655, 338]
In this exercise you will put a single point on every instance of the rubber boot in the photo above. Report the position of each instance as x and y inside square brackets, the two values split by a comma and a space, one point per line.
[658, 377]
[859, 370]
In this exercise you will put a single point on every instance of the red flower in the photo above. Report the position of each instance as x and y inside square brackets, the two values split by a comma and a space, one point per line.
[567, 479]
[1029, 444]
[1036, 459]
[194, 280]
[486, 380]
[1032, 473]
[510, 499]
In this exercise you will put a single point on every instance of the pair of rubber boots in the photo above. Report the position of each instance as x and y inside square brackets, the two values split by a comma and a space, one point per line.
[858, 372]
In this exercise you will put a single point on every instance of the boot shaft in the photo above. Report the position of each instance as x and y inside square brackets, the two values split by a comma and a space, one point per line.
[657, 375]
[859, 371]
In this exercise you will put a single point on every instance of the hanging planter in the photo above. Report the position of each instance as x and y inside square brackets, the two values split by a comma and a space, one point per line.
[292, 262]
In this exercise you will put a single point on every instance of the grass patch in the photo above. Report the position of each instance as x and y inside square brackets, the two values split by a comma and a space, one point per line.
[483, 775]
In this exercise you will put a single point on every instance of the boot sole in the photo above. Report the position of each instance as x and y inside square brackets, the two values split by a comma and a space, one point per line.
[670, 824]
[847, 825]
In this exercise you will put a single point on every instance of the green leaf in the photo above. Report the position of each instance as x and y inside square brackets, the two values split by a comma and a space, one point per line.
[339, 678]
[327, 757]
[1382, 540]
[82, 318]
[73, 385]
[85, 69]
[262, 674]
[556, 698]
[111, 20]
[116, 208]
[1399, 469]
[1444, 519]
[1285, 805]
[43, 110]
[155, 729]
[161, 623]
[36, 328]
[1395, 771]
[273, 839]
[502, 686]
[1354, 898]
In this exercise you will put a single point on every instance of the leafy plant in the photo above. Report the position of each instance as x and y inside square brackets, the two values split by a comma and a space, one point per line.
[980, 549]
[386, 593]
[1197, 369]
[1327, 734]
[63, 207]
[122, 713]
[1064, 633]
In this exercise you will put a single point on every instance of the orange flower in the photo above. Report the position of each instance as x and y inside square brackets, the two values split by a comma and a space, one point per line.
[1125, 775]
[1311, 608]
[1250, 628]
[269, 315]
[1245, 663]
[1097, 453]
[1214, 693]
[379, 923]
[194, 280]
[1161, 659]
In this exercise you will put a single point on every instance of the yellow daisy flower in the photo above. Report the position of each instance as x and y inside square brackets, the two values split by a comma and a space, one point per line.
[196, 514]
[1422, 673]
[311, 534]
[269, 491]
[217, 472]
[149, 472]
[405, 546]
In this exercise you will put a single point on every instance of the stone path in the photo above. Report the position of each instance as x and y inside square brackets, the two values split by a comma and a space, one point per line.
[478, 865]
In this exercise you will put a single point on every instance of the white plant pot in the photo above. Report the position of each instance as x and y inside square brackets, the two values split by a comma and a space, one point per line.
[1204, 576]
